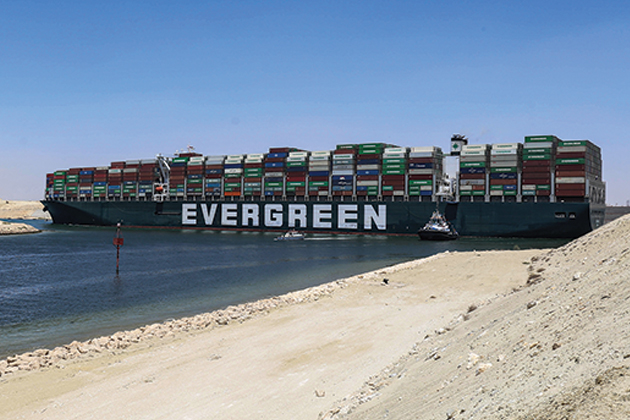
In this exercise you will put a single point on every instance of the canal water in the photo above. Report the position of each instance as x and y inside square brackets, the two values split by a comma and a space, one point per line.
[61, 285]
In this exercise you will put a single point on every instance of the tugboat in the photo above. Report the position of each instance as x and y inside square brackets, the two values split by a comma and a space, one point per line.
[438, 229]
[292, 235]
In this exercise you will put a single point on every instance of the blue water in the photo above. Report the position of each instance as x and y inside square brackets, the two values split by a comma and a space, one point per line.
[61, 285]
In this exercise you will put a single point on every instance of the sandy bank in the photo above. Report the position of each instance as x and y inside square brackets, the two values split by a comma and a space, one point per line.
[15, 228]
[28, 210]
[296, 356]
[557, 349]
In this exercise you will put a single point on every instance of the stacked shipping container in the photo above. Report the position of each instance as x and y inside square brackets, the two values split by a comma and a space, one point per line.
[538, 165]
[473, 166]
[505, 167]
[542, 169]
[425, 171]
[578, 169]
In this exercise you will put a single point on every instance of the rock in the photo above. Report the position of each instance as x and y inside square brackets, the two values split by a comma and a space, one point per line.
[483, 367]
[473, 359]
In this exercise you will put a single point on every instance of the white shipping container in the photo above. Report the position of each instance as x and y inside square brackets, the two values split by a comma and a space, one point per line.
[296, 159]
[319, 158]
[344, 156]
[298, 154]
[369, 183]
[343, 167]
[342, 172]
[474, 147]
[571, 149]
[255, 156]
[389, 150]
[496, 192]
[473, 153]
[367, 167]
[472, 182]
[503, 152]
[235, 157]
[538, 145]
[321, 153]
[427, 149]
[215, 158]
[465, 187]
[394, 155]
[426, 188]
[529, 187]
[421, 155]
[233, 170]
[421, 171]
[571, 180]
[498, 146]
[273, 174]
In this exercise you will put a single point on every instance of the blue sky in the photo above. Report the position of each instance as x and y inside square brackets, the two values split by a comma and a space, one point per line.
[87, 83]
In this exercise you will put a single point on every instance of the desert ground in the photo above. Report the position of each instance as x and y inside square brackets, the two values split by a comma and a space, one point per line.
[536, 334]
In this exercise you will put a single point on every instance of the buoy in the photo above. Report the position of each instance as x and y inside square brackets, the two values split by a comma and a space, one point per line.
[118, 242]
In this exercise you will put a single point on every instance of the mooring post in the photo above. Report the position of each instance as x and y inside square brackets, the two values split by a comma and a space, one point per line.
[118, 242]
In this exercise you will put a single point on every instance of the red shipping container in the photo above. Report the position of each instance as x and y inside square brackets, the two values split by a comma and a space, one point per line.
[503, 181]
[318, 178]
[250, 165]
[421, 160]
[368, 156]
[570, 168]
[344, 152]
[472, 176]
[570, 174]
[421, 176]
[570, 155]
[393, 177]
[367, 177]
[536, 163]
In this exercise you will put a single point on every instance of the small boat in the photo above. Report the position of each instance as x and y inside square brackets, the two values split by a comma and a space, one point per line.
[292, 235]
[438, 229]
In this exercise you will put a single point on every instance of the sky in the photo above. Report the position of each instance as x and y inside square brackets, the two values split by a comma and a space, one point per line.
[87, 83]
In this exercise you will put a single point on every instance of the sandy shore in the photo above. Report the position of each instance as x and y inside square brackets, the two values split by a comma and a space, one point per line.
[477, 335]
[28, 210]
[292, 361]
[16, 228]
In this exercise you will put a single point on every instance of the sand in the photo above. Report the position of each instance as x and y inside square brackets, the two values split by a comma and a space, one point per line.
[27, 210]
[484, 335]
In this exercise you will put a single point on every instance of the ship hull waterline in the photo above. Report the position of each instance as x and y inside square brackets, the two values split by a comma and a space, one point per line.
[480, 219]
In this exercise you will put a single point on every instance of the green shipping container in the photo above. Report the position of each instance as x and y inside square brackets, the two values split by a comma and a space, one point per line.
[393, 172]
[392, 161]
[539, 139]
[273, 184]
[544, 156]
[420, 182]
[472, 165]
[296, 184]
[573, 161]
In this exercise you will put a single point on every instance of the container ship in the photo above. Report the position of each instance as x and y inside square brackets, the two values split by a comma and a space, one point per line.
[544, 187]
